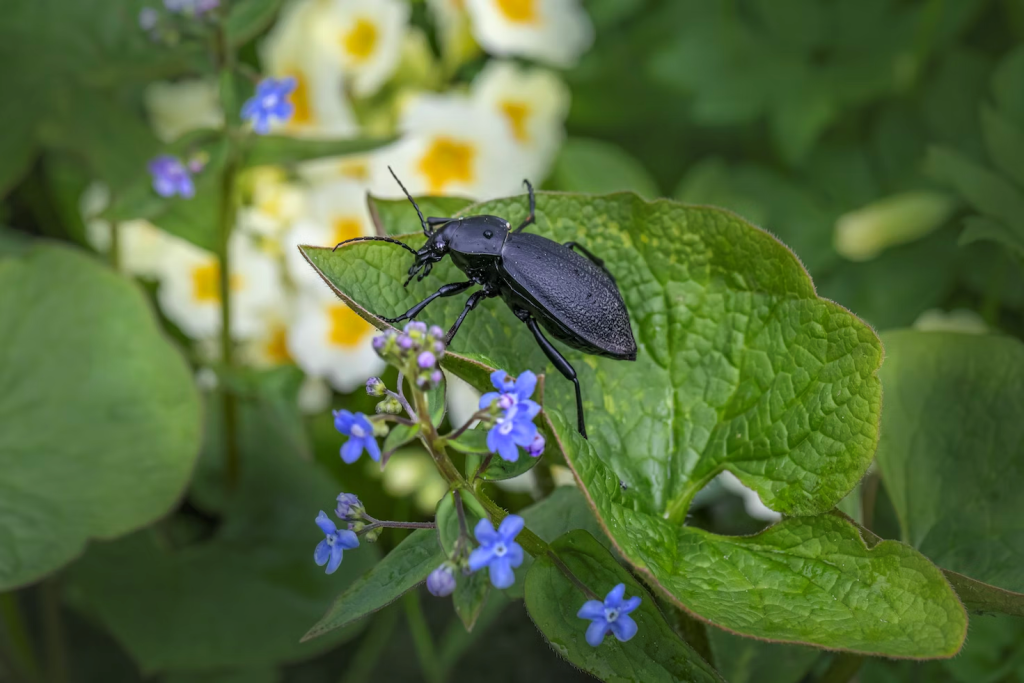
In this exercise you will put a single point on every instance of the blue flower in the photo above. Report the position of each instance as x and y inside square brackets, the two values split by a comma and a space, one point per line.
[511, 390]
[270, 102]
[515, 426]
[498, 550]
[349, 506]
[610, 616]
[441, 581]
[330, 550]
[360, 432]
[170, 177]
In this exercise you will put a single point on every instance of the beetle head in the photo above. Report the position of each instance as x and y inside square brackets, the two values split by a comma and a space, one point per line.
[435, 249]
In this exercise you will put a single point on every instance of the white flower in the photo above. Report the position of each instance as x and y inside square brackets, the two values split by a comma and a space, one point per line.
[140, 243]
[269, 348]
[457, 44]
[314, 396]
[863, 234]
[178, 108]
[274, 203]
[552, 31]
[534, 104]
[366, 37]
[337, 212]
[328, 339]
[463, 400]
[450, 147]
[321, 109]
[189, 293]
[751, 501]
[354, 168]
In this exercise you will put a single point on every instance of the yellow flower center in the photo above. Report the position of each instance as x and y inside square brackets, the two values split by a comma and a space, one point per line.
[346, 327]
[446, 161]
[519, 11]
[276, 347]
[345, 228]
[300, 100]
[206, 283]
[356, 170]
[517, 114]
[361, 41]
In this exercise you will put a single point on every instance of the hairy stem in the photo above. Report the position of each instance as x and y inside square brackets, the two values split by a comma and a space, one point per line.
[377, 524]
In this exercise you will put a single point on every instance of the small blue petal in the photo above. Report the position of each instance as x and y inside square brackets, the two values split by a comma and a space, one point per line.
[592, 609]
[372, 449]
[322, 553]
[325, 523]
[502, 575]
[515, 554]
[525, 385]
[487, 399]
[629, 605]
[614, 597]
[502, 381]
[596, 631]
[343, 420]
[510, 527]
[346, 539]
[485, 533]
[351, 451]
[624, 627]
[337, 553]
[480, 558]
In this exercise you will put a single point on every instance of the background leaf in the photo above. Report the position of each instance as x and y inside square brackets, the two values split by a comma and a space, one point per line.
[101, 418]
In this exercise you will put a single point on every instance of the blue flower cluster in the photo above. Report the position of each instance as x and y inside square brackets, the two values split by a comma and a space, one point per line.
[610, 616]
[331, 550]
[416, 351]
[269, 103]
[514, 426]
[498, 550]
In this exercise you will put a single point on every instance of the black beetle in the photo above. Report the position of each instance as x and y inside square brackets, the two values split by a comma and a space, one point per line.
[574, 298]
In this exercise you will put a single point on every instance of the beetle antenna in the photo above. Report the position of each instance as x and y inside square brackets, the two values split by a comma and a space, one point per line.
[423, 221]
[377, 239]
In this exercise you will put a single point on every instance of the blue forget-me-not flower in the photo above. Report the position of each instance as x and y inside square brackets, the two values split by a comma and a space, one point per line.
[610, 616]
[515, 426]
[498, 550]
[170, 177]
[441, 581]
[329, 551]
[270, 102]
[359, 429]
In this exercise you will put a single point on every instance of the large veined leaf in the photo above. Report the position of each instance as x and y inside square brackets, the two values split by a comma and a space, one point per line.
[655, 653]
[952, 450]
[100, 415]
[740, 367]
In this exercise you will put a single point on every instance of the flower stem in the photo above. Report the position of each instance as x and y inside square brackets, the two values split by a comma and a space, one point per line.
[478, 415]
[378, 524]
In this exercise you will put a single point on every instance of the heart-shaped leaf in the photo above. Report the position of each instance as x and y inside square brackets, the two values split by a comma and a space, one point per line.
[101, 417]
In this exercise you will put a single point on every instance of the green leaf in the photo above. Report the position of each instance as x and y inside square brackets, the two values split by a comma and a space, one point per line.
[470, 596]
[952, 449]
[248, 18]
[1006, 85]
[811, 571]
[1005, 144]
[398, 217]
[17, 146]
[447, 519]
[213, 595]
[979, 597]
[400, 571]
[988, 192]
[980, 229]
[585, 165]
[742, 660]
[655, 653]
[101, 417]
[280, 150]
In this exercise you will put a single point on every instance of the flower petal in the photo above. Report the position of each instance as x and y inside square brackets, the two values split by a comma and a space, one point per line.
[484, 532]
[322, 553]
[487, 399]
[523, 432]
[346, 539]
[498, 379]
[596, 631]
[515, 554]
[480, 558]
[337, 552]
[508, 450]
[351, 451]
[624, 627]
[372, 449]
[502, 575]
[510, 527]
[343, 420]
[614, 598]
[592, 609]
[529, 409]
[525, 384]
[630, 605]
[326, 525]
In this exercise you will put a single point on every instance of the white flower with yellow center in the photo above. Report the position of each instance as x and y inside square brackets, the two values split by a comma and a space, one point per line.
[534, 104]
[328, 339]
[189, 293]
[321, 109]
[178, 108]
[553, 31]
[366, 36]
[450, 147]
[337, 212]
[274, 202]
[269, 349]
[140, 243]
[457, 44]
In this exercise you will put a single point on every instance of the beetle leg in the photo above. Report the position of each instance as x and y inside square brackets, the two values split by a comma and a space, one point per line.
[530, 219]
[562, 365]
[471, 302]
[446, 290]
[599, 262]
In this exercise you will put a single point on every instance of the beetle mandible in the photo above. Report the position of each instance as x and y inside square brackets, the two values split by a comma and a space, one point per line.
[546, 284]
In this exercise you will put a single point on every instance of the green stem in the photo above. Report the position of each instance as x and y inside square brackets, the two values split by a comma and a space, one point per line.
[18, 643]
[422, 641]
[843, 668]
[115, 245]
[53, 632]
